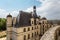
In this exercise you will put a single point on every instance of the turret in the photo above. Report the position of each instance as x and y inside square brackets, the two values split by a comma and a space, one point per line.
[9, 27]
[9, 20]
[34, 11]
[44, 20]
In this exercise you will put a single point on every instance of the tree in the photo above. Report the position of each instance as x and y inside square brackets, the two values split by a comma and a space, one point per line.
[2, 24]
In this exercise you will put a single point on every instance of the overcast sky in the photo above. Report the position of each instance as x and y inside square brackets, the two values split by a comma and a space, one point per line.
[45, 8]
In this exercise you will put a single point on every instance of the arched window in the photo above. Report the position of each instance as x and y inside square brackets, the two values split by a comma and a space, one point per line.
[24, 29]
[24, 37]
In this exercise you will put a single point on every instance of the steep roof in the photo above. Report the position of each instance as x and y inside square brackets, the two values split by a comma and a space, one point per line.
[23, 19]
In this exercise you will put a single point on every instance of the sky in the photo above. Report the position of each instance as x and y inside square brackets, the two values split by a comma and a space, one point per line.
[45, 8]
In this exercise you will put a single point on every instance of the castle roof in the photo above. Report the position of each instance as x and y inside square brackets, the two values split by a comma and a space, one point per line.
[24, 18]
[43, 18]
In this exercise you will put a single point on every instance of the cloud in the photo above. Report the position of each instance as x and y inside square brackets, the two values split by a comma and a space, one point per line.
[49, 9]
[4, 13]
[14, 13]
[29, 9]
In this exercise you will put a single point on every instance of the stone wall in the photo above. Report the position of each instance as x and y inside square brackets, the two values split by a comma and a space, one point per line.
[32, 31]
[50, 34]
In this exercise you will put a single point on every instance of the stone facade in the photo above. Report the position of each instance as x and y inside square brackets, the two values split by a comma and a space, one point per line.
[26, 26]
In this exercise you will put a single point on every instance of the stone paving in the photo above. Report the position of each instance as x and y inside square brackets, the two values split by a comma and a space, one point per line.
[49, 35]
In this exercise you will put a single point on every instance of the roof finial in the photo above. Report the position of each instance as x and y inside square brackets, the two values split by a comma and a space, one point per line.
[9, 15]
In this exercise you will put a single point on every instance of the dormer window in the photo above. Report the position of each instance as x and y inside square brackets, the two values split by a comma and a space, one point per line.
[32, 22]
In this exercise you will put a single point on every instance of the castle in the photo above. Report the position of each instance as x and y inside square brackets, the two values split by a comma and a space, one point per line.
[26, 26]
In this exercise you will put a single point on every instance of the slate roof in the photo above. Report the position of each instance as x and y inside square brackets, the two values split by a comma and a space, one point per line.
[23, 19]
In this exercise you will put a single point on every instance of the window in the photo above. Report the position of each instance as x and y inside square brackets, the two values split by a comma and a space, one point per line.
[37, 27]
[24, 29]
[43, 22]
[50, 25]
[28, 36]
[35, 33]
[32, 22]
[43, 29]
[37, 22]
[32, 28]
[47, 26]
[35, 39]
[24, 37]
[32, 34]
[10, 38]
[28, 29]
[59, 32]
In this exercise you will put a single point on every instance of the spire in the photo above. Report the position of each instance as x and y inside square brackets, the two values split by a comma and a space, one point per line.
[9, 13]
[34, 11]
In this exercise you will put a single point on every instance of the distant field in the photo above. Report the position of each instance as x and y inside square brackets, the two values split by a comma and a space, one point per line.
[2, 34]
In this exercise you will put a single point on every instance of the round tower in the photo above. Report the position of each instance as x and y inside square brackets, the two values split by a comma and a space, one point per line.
[9, 20]
[9, 27]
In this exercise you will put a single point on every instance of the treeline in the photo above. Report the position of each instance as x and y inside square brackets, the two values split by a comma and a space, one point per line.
[2, 24]
[55, 22]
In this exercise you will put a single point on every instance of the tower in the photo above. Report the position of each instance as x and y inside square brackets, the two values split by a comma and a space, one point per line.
[34, 11]
[9, 27]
